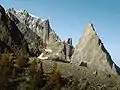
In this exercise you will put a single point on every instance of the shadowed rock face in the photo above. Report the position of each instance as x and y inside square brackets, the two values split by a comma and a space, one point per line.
[2, 10]
[69, 41]
[90, 50]
[11, 39]
[68, 49]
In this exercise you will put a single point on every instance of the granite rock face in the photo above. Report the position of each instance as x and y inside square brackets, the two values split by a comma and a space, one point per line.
[35, 43]
[91, 51]
[11, 39]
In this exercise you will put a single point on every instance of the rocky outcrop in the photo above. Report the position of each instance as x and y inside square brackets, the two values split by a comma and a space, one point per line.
[46, 31]
[11, 39]
[61, 51]
[35, 43]
[68, 49]
[91, 51]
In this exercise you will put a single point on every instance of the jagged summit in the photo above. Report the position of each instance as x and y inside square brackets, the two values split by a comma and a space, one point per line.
[38, 25]
[89, 29]
[90, 25]
[91, 52]
[23, 14]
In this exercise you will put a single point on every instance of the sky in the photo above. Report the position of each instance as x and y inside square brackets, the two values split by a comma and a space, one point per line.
[69, 17]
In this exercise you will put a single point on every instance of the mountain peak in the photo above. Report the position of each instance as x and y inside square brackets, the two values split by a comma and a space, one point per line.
[90, 24]
[90, 30]
[91, 51]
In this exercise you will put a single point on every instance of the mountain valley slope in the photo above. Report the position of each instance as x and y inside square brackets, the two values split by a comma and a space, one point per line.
[24, 37]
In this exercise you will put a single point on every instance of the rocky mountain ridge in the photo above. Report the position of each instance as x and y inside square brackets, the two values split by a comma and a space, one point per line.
[39, 35]
[39, 26]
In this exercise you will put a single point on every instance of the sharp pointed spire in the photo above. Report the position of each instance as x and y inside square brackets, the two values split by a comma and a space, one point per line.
[90, 23]
[89, 30]
[90, 26]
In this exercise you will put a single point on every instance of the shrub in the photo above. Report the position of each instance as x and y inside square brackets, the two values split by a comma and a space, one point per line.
[6, 71]
[21, 61]
[37, 78]
[55, 78]
[32, 70]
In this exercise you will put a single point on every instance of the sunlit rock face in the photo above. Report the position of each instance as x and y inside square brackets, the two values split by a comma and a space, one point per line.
[91, 51]
[38, 25]
[36, 31]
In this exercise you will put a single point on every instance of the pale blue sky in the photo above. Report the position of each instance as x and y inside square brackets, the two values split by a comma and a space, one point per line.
[69, 18]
